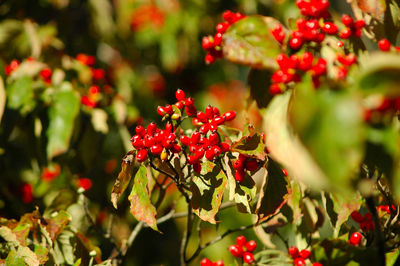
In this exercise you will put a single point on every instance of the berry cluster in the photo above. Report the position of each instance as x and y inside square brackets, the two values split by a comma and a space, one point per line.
[355, 239]
[159, 142]
[203, 142]
[346, 62]
[244, 249]
[93, 96]
[300, 257]
[386, 208]
[366, 223]
[45, 73]
[212, 44]
[8, 69]
[291, 68]
[243, 164]
[207, 262]
[312, 28]
[353, 28]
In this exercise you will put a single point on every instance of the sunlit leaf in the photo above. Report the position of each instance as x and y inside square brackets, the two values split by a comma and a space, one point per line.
[207, 190]
[286, 148]
[123, 177]
[141, 206]
[250, 42]
[20, 95]
[252, 146]
[242, 193]
[62, 114]
[41, 253]
[273, 192]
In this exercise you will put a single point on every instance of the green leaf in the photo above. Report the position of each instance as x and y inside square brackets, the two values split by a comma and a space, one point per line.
[259, 82]
[252, 146]
[250, 42]
[41, 253]
[207, 191]
[323, 127]
[141, 206]
[123, 177]
[380, 73]
[21, 231]
[285, 147]
[14, 259]
[339, 208]
[62, 114]
[57, 224]
[273, 192]
[20, 95]
[242, 193]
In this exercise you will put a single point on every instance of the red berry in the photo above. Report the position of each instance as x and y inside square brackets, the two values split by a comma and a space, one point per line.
[140, 130]
[195, 138]
[213, 138]
[355, 239]
[316, 264]
[305, 254]
[156, 149]
[347, 20]
[229, 116]
[237, 165]
[330, 28]
[359, 24]
[357, 216]
[224, 147]
[251, 245]
[248, 257]
[219, 263]
[275, 89]
[236, 250]
[217, 39]
[206, 262]
[251, 165]
[161, 110]
[204, 129]
[384, 45]
[185, 140]
[45, 73]
[202, 116]
[207, 45]
[293, 252]
[141, 156]
[222, 27]
[239, 175]
[345, 34]
[241, 240]
[295, 43]
[299, 262]
[210, 154]
[209, 59]
[151, 128]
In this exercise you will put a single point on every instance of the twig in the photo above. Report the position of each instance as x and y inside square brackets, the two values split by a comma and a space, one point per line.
[379, 237]
[226, 233]
[186, 235]
[132, 237]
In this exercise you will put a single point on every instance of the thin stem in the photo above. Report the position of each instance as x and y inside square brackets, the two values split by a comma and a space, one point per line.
[186, 235]
[378, 234]
[225, 234]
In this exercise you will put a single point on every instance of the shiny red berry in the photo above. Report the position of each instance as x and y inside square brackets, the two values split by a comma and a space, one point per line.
[141, 156]
[330, 28]
[251, 165]
[209, 59]
[384, 45]
[293, 252]
[241, 240]
[305, 254]
[206, 262]
[355, 239]
[296, 43]
[248, 257]
[222, 27]
[299, 262]
[236, 250]
[251, 245]
[207, 44]
[156, 149]
[229, 116]
[345, 34]
[347, 20]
